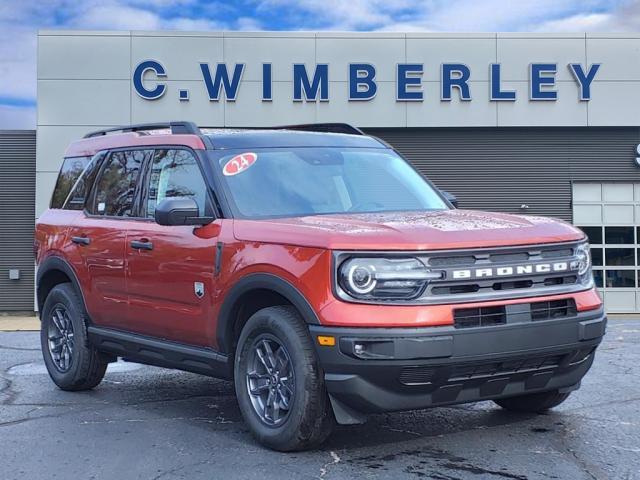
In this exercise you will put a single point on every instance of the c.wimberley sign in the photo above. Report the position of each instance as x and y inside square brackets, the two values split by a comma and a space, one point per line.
[311, 84]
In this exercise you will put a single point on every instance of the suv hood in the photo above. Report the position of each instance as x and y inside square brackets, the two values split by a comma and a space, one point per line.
[437, 230]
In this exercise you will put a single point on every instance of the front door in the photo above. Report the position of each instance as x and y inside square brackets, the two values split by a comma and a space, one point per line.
[170, 269]
[99, 236]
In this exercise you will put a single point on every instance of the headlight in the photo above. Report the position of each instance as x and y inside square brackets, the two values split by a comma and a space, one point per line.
[583, 262]
[384, 278]
[583, 258]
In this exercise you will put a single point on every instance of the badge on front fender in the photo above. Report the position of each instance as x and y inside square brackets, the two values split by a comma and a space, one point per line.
[198, 288]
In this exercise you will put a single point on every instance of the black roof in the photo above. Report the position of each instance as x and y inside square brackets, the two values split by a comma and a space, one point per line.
[262, 138]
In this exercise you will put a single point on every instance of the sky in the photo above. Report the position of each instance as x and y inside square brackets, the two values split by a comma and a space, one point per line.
[21, 19]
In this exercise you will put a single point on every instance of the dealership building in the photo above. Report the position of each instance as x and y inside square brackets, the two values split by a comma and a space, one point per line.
[522, 123]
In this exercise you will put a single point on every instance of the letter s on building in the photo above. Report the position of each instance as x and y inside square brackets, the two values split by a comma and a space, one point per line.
[138, 76]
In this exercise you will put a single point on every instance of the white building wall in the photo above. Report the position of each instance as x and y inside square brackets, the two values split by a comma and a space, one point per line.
[84, 81]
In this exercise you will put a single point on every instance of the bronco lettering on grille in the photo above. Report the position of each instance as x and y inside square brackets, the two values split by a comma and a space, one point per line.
[489, 272]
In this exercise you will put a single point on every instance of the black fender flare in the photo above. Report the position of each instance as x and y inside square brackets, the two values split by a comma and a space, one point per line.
[56, 263]
[258, 281]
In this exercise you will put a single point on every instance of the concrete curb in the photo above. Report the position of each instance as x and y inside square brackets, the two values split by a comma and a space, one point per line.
[19, 324]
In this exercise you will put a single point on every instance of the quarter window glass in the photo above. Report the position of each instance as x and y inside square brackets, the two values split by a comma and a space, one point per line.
[117, 184]
[76, 199]
[69, 173]
[175, 173]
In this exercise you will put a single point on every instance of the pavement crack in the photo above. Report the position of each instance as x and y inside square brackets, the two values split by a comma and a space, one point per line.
[19, 349]
[399, 430]
[171, 471]
[603, 404]
[8, 391]
[216, 420]
[476, 470]
[28, 418]
[580, 463]
[335, 459]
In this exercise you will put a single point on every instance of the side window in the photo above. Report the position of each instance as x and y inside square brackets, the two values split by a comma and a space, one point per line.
[116, 185]
[78, 195]
[175, 173]
[69, 173]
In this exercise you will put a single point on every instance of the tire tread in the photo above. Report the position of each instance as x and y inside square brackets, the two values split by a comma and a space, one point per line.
[317, 420]
[93, 365]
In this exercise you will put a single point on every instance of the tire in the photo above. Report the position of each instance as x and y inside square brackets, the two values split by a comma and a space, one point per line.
[309, 419]
[84, 367]
[534, 402]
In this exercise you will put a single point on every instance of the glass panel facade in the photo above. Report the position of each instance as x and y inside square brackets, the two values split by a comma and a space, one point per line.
[594, 234]
[621, 278]
[620, 256]
[617, 235]
[596, 257]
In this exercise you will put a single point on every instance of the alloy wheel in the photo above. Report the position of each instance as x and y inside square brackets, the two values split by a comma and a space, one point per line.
[61, 338]
[270, 380]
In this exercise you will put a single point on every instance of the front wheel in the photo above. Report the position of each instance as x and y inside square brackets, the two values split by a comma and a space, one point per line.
[534, 402]
[279, 383]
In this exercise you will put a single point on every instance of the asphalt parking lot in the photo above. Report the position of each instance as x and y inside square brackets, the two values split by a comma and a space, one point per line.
[149, 423]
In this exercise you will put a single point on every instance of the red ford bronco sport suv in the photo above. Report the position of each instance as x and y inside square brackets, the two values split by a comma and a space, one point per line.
[313, 266]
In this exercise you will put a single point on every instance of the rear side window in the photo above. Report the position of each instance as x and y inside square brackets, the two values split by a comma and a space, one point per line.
[69, 174]
[78, 195]
[116, 184]
[175, 173]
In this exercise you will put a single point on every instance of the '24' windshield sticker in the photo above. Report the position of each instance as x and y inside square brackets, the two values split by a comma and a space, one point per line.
[239, 163]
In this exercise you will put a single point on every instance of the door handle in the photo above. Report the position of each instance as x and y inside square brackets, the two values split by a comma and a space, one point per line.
[81, 240]
[142, 245]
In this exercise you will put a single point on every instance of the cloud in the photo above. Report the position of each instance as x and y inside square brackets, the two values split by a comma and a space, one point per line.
[17, 118]
[18, 62]
[20, 20]
[116, 17]
[626, 18]
[338, 14]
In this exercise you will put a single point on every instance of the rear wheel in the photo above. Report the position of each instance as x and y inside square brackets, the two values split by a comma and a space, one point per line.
[534, 402]
[279, 383]
[72, 363]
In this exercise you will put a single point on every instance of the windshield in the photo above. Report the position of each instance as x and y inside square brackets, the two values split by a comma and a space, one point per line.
[288, 182]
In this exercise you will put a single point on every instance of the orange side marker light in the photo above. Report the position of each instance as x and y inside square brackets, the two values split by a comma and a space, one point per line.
[326, 340]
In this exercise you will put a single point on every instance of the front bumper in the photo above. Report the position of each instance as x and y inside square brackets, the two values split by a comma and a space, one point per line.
[405, 369]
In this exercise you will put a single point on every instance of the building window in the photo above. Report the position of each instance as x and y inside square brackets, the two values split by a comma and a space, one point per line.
[615, 256]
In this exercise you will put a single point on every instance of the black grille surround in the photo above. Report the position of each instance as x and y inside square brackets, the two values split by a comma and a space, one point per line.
[515, 313]
[478, 288]
[515, 272]
[528, 367]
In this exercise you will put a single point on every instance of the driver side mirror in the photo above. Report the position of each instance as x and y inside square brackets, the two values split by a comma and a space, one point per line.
[451, 198]
[179, 211]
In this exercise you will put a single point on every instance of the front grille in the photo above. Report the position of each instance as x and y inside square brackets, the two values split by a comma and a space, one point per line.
[501, 273]
[553, 309]
[480, 370]
[507, 367]
[480, 317]
[518, 313]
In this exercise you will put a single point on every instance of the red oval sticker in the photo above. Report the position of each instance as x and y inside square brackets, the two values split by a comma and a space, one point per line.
[239, 163]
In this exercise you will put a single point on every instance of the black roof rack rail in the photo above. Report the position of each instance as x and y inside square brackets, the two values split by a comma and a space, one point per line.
[323, 127]
[176, 128]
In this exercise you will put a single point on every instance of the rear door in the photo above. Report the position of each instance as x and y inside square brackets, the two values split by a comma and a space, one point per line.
[170, 269]
[99, 236]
